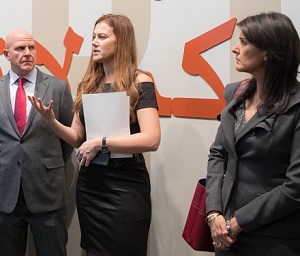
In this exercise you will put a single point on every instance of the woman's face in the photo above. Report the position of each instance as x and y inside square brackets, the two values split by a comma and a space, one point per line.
[249, 58]
[104, 43]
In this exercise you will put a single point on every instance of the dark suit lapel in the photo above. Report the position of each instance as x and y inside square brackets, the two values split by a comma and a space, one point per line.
[254, 122]
[227, 119]
[5, 98]
[41, 88]
[266, 121]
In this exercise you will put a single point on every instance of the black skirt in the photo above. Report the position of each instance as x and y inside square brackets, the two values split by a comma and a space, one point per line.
[255, 244]
[114, 208]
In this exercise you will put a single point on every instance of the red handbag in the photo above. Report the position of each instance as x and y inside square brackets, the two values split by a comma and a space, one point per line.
[196, 231]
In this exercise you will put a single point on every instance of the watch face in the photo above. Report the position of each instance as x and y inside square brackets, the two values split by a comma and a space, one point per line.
[104, 149]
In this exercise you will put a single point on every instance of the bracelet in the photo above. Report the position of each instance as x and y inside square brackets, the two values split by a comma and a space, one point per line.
[211, 217]
[231, 233]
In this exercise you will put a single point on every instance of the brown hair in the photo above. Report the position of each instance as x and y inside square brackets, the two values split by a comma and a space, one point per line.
[125, 64]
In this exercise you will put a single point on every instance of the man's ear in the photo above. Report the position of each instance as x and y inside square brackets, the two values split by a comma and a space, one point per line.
[5, 52]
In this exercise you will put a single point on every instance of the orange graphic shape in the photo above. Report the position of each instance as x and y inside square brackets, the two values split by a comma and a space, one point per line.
[72, 43]
[194, 64]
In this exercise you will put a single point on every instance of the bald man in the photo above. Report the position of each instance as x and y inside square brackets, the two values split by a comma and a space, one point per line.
[32, 157]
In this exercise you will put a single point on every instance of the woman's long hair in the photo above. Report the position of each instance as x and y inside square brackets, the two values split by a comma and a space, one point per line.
[274, 33]
[125, 64]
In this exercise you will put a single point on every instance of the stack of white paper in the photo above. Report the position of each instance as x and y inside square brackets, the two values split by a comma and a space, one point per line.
[107, 114]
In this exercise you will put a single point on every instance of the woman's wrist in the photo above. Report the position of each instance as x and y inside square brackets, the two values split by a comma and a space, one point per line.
[211, 217]
[234, 226]
[232, 234]
[51, 121]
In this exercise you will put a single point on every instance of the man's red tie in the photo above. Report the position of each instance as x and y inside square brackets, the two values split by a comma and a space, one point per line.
[20, 105]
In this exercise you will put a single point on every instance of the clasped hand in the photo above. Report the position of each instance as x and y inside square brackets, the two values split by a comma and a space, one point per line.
[87, 151]
[220, 235]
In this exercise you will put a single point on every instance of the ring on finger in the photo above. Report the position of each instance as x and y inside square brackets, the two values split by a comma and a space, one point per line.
[217, 244]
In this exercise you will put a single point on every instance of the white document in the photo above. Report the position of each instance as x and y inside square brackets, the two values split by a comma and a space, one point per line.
[107, 114]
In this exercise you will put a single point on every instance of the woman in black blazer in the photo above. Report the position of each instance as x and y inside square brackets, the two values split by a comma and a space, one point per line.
[253, 177]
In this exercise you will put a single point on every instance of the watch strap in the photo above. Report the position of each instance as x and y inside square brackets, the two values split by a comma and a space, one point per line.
[104, 147]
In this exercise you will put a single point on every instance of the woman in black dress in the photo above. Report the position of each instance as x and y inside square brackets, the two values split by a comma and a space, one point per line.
[113, 200]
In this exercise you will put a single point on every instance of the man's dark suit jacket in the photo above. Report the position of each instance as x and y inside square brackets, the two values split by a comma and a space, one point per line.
[38, 157]
[260, 181]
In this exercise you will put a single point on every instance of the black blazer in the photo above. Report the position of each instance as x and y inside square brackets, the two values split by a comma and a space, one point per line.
[38, 157]
[257, 175]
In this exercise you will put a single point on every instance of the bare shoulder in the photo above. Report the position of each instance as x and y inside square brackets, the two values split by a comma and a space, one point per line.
[143, 77]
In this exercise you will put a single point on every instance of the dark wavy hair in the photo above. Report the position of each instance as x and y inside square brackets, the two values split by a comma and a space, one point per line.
[274, 33]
